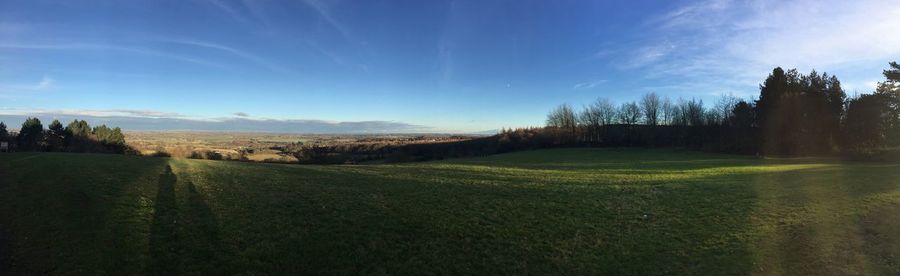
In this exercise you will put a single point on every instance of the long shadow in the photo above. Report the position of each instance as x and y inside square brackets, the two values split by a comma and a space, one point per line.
[67, 212]
[202, 239]
[5, 252]
[163, 231]
[5, 244]
[184, 238]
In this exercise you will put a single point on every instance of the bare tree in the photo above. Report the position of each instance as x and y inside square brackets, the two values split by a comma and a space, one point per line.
[604, 110]
[562, 117]
[693, 112]
[688, 113]
[588, 117]
[629, 113]
[650, 105]
[668, 111]
[723, 108]
[589, 123]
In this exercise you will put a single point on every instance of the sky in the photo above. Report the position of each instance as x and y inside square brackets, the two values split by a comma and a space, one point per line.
[412, 66]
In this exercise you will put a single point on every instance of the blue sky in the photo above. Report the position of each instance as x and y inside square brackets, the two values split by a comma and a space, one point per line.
[448, 66]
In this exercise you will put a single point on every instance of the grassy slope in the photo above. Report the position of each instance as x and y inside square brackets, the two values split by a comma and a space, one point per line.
[566, 210]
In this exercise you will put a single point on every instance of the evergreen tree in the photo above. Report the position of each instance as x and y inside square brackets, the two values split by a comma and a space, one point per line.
[866, 123]
[4, 134]
[78, 128]
[742, 116]
[893, 74]
[742, 124]
[78, 136]
[792, 113]
[835, 100]
[813, 127]
[31, 136]
[56, 135]
[890, 89]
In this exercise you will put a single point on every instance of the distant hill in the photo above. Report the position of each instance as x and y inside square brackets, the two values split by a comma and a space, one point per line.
[137, 123]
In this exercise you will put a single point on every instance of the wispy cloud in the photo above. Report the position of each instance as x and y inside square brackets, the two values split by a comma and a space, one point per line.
[704, 13]
[229, 10]
[250, 13]
[588, 85]
[108, 47]
[136, 113]
[45, 83]
[648, 55]
[142, 113]
[325, 51]
[736, 43]
[256, 10]
[445, 62]
[239, 53]
[325, 12]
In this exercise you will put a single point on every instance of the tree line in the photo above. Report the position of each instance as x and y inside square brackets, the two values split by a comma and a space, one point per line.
[795, 114]
[77, 136]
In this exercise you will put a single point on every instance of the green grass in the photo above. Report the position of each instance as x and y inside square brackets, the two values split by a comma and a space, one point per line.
[566, 211]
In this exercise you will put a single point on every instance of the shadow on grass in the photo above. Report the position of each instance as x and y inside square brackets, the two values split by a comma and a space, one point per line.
[163, 231]
[204, 250]
[184, 238]
[5, 244]
[70, 213]
[5, 253]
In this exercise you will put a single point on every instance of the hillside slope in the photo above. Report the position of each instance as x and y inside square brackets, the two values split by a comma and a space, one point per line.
[576, 211]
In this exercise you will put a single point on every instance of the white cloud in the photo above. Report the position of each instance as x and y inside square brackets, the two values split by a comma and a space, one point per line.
[588, 85]
[105, 47]
[737, 43]
[136, 113]
[228, 9]
[46, 82]
[239, 53]
[325, 12]
[644, 56]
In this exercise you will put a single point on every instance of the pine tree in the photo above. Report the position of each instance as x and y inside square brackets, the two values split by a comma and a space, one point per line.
[4, 134]
[836, 99]
[890, 89]
[31, 136]
[865, 125]
[56, 135]
[78, 128]
[78, 136]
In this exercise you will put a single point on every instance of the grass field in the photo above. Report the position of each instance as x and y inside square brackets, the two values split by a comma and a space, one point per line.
[568, 211]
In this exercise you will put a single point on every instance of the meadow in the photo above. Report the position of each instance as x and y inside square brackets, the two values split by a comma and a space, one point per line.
[558, 211]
